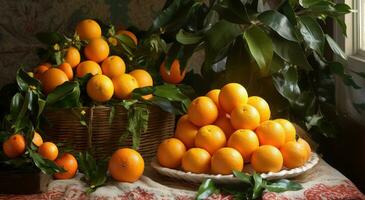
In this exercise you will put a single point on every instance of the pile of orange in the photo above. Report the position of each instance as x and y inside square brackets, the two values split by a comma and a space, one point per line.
[226, 129]
[15, 146]
[109, 77]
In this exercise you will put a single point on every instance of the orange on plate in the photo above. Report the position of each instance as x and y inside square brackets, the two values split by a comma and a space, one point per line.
[113, 66]
[72, 56]
[37, 139]
[266, 159]
[231, 96]
[271, 133]
[100, 88]
[124, 86]
[88, 29]
[294, 154]
[174, 75]
[14, 146]
[126, 165]
[245, 117]
[261, 106]
[224, 123]
[186, 131]
[307, 147]
[88, 67]
[97, 50]
[245, 141]
[202, 111]
[52, 78]
[210, 138]
[170, 153]
[196, 160]
[65, 67]
[289, 129]
[69, 163]
[225, 160]
[48, 150]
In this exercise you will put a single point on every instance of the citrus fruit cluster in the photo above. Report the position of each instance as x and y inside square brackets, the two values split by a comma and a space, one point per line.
[15, 146]
[226, 129]
[109, 77]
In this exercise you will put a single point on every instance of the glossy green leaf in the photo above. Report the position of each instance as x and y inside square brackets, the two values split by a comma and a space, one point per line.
[187, 38]
[16, 105]
[278, 23]
[312, 33]
[25, 81]
[45, 165]
[309, 3]
[287, 83]
[258, 187]
[291, 52]
[66, 95]
[282, 186]
[232, 10]
[206, 189]
[137, 124]
[288, 11]
[334, 46]
[260, 46]
[242, 177]
[342, 8]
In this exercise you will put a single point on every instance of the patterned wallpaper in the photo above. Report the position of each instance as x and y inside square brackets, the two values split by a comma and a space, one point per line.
[20, 20]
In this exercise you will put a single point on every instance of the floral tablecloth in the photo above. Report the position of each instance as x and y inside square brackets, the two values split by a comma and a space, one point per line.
[322, 182]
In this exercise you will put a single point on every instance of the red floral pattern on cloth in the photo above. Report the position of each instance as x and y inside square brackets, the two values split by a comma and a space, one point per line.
[347, 190]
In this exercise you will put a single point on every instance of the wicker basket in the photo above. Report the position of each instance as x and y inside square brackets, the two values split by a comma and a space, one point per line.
[64, 127]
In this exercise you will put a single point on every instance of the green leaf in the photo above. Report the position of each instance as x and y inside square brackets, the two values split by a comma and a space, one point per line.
[16, 104]
[232, 10]
[309, 3]
[111, 114]
[137, 123]
[49, 38]
[338, 69]
[334, 46]
[21, 120]
[278, 23]
[291, 52]
[25, 81]
[243, 177]
[45, 165]
[312, 33]
[286, 83]
[187, 38]
[282, 186]
[288, 11]
[260, 46]
[206, 189]
[342, 8]
[66, 95]
[258, 186]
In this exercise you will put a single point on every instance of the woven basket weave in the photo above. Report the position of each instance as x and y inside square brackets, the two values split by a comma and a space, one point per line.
[64, 127]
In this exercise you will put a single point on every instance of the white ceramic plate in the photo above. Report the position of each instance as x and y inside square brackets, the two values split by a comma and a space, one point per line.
[198, 178]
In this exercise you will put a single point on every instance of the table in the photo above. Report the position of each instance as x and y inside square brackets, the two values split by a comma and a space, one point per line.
[322, 182]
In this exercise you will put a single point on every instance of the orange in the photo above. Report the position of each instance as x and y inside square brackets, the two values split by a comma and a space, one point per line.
[65, 67]
[232, 95]
[289, 129]
[129, 34]
[214, 95]
[37, 139]
[245, 141]
[88, 29]
[210, 138]
[196, 160]
[294, 154]
[14, 146]
[69, 163]
[52, 78]
[174, 76]
[202, 111]
[143, 78]
[126, 165]
[48, 150]
[271, 133]
[225, 160]
[97, 50]
[224, 123]
[261, 106]
[245, 117]
[72, 56]
[124, 86]
[100, 88]
[170, 153]
[38, 71]
[88, 67]
[113, 66]
[267, 158]
[307, 148]
[186, 131]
